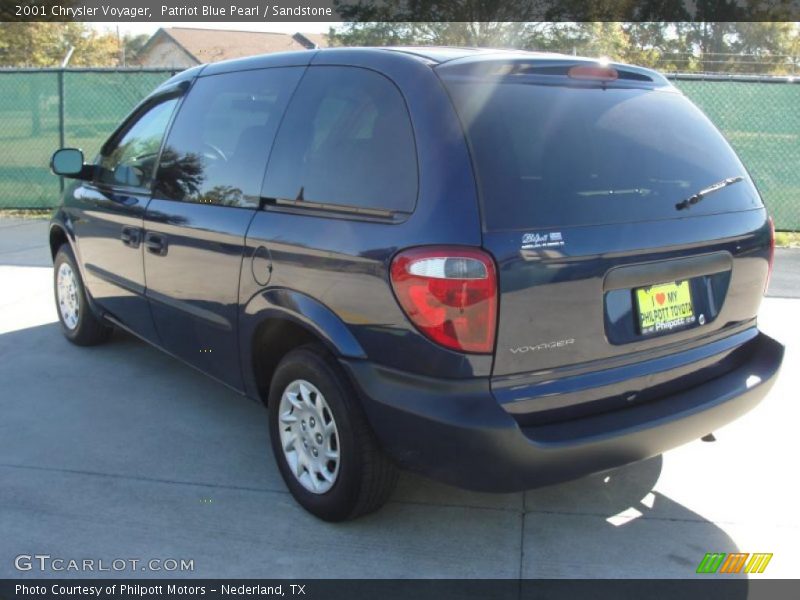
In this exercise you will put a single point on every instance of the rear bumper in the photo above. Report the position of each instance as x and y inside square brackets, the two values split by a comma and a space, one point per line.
[456, 432]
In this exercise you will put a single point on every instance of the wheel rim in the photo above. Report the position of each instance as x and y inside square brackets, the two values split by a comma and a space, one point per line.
[68, 299]
[309, 437]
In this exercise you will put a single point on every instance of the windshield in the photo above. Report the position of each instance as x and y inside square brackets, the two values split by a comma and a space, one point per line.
[551, 155]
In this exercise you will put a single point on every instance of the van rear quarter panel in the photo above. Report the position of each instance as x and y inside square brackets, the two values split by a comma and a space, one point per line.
[342, 263]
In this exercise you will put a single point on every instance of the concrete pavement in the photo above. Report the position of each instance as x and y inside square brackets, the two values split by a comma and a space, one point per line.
[785, 282]
[120, 451]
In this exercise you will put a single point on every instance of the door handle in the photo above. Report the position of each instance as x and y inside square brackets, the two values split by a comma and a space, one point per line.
[131, 236]
[155, 243]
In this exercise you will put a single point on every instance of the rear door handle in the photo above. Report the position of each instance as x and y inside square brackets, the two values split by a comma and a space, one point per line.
[131, 236]
[155, 243]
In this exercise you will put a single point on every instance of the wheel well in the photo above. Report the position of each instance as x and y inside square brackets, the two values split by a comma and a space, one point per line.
[57, 238]
[274, 339]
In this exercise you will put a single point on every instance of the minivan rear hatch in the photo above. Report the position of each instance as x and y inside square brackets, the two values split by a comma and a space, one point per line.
[624, 227]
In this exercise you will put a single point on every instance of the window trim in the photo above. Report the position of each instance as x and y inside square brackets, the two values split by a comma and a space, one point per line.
[339, 211]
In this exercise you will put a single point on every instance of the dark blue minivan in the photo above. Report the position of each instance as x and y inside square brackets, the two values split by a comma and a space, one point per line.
[499, 269]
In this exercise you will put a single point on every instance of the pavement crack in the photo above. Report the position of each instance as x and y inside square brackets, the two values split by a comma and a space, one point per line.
[454, 505]
[566, 513]
[23, 249]
[145, 479]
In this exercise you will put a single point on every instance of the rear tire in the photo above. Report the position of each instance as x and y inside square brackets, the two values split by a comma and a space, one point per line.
[325, 449]
[78, 323]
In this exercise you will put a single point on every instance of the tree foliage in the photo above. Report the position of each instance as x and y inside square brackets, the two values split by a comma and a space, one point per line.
[743, 47]
[42, 44]
[132, 46]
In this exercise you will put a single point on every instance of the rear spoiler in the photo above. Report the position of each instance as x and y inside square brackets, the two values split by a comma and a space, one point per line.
[549, 67]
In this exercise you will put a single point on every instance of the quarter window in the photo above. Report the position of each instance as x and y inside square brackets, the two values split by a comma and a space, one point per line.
[218, 147]
[346, 140]
[131, 160]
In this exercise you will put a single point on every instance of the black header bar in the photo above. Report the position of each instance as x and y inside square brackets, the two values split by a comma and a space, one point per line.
[400, 10]
[710, 587]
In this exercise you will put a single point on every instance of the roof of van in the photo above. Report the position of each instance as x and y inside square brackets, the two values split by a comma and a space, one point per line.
[434, 56]
[440, 54]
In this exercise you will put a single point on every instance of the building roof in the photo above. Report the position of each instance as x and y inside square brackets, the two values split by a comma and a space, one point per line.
[212, 45]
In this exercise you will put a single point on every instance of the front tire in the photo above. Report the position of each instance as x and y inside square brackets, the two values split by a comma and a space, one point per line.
[325, 449]
[78, 323]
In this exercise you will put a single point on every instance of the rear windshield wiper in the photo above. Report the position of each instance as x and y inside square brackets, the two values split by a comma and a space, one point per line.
[714, 187]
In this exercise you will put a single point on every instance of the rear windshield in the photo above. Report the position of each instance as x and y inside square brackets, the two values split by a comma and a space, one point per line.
[551, 155]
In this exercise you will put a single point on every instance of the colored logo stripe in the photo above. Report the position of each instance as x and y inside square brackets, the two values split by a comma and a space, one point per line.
[711, 562]
[733, 563]
[758, 562]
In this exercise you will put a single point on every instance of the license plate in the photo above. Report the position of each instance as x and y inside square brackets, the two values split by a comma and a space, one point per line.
[664, 307]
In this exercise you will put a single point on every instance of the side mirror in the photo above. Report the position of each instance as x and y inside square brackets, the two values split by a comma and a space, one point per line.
[67, 162]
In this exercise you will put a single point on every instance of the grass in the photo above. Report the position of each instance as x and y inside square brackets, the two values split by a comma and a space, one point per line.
[787, 239]
[25, 213]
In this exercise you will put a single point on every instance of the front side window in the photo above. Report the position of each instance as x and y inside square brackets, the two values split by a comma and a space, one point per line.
[218, 147]
[346, 140]
[131, 160]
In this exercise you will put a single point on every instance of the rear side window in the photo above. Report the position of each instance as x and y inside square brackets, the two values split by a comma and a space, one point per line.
[552, 155]
[347, 141]
[217, 149]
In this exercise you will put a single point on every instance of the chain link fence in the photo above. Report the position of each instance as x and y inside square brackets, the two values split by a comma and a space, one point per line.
[44, 109]
[41, 110]
[762, 63]
[761, 119]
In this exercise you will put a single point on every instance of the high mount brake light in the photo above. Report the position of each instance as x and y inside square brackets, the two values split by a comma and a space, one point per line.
[449, 294]
[594, 72]
[771, 253]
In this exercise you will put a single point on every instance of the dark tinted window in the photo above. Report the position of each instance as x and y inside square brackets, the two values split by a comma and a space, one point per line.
[554, 155]
[131, 160]
[217, 149]
[346, 140]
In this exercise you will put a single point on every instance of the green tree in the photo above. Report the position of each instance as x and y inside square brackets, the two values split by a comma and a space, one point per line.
[768, 47]
[462, 22]
[608, 39]
[41, 44]
[651, 44]
[474, 33]
[132, 46]
[743, 47]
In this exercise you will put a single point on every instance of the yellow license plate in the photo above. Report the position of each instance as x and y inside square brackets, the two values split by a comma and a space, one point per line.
[665, 307]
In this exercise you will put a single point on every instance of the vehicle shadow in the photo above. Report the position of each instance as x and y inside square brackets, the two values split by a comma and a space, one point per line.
[609, 525]
[120, 450]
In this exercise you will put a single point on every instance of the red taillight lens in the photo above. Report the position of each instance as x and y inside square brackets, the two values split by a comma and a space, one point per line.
[771, 252]
[450, 294]
[596, 72]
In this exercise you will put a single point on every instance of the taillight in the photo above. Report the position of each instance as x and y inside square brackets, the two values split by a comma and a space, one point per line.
[449, 294]
[771, 252]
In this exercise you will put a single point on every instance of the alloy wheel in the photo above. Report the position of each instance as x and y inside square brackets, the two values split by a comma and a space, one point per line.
[309, 437]
[68, 299]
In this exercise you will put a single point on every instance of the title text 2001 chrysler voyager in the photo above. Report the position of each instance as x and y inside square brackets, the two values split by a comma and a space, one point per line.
[499, 269]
